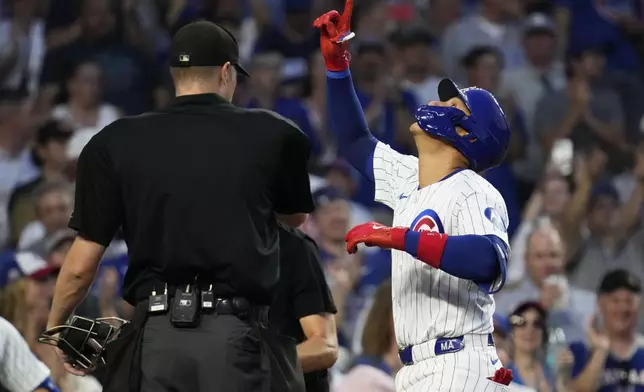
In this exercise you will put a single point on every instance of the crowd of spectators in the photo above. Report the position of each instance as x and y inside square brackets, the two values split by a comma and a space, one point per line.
[568, 73]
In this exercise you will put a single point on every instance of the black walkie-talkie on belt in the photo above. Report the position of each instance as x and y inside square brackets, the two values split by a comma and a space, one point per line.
[185, 307]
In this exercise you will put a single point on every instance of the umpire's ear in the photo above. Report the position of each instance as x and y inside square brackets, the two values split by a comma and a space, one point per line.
[226, 73]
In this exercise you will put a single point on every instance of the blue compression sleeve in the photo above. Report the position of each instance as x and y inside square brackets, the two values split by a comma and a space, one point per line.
[48, 385]
[479, 258]
[346, 120]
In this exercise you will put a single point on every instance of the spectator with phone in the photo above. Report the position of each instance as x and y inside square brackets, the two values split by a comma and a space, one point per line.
[586, 111]
[546, 283]
[560, 199]
[613, 357]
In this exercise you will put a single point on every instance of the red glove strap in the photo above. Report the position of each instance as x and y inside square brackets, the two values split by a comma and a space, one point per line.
[398, 237]
[430, 248]
[338, 64]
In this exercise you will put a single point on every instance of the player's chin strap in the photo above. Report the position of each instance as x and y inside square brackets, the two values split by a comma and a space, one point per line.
[84, 340]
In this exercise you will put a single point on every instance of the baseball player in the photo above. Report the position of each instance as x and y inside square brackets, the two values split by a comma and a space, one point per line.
[449, 241]
[20, 370]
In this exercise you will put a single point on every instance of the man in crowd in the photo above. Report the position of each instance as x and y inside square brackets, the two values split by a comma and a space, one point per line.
[16, 164]
[613, 358]
[545, 282]
[53, 209]
[50, 155]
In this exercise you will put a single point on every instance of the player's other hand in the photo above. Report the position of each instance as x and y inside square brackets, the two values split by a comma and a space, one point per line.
[335, 32]
[375, 234]
[550, 293]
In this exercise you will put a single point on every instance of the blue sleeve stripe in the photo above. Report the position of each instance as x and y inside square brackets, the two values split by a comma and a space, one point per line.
[48, 385]
[412, 239]
[502, 255]
[338, 74]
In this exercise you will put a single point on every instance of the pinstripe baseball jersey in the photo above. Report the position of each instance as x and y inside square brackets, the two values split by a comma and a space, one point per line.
[429, 303]
[20, 370]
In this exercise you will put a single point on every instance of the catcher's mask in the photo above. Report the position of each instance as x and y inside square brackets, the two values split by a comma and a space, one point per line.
[83, 340]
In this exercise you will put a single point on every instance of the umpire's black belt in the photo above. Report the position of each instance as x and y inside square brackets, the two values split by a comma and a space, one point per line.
[435, 347]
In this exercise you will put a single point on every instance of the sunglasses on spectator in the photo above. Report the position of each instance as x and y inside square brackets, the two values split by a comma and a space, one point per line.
[518, 321]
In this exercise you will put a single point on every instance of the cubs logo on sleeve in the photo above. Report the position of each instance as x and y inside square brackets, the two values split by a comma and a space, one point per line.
[428, 220]
[496, 219]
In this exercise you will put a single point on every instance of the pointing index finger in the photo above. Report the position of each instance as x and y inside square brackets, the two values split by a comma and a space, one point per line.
[345, 19]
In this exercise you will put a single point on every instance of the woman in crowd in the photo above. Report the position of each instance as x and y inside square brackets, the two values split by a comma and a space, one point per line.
[529, 349]
[375, 368]
[85, 108]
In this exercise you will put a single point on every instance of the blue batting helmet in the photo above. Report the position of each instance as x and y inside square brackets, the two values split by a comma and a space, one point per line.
[486, 144]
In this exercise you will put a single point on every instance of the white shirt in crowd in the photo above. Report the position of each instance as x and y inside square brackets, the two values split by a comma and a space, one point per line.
[107, 114]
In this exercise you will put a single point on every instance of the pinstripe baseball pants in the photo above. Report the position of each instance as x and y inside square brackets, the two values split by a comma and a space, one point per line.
[465, 370]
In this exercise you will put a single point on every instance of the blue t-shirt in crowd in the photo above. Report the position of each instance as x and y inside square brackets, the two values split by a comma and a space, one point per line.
[517, 379]
[589, 28]
[619, 375]
[120, 263]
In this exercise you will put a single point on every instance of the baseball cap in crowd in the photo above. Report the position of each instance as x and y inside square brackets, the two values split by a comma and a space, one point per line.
[326, 195]
[57, 239]
[204, 44]
[25, 265]
[603, 189]
[415, 35]
[53, 131]
[294, 70]
[619, 279]
[539, 23]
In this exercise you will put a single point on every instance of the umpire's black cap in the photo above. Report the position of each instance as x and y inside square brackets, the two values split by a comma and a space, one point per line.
[619, 279]
[204, 44]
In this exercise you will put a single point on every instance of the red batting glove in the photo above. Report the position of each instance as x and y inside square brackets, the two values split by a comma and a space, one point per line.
[375, 234]
[502, 376]
[333, 29]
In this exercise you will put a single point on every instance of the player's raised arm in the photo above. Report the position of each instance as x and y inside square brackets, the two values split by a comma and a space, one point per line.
[346, 117]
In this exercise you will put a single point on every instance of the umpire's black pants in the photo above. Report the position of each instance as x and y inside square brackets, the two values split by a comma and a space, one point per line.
[223, 353]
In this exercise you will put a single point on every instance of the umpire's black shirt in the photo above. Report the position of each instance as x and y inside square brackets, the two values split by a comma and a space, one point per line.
[195, 187]
[302, 291]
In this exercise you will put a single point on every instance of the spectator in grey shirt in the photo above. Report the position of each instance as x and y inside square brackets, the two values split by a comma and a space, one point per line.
[586, 111]
[569, 308]
[542, 74]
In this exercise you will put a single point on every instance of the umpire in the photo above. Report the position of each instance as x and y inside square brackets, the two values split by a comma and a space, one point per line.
[304, 309]
[198, 189]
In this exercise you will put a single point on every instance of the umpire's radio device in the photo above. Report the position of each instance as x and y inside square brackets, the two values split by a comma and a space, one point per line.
[185, 307]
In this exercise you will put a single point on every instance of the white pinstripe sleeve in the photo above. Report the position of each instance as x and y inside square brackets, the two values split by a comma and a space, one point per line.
[391, 171]
[20, 370]
[485, 214]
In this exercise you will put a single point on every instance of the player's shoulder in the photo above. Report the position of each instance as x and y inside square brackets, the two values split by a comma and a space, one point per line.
[471, 184]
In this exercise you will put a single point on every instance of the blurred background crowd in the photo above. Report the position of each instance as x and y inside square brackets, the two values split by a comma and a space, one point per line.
[567, 72]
